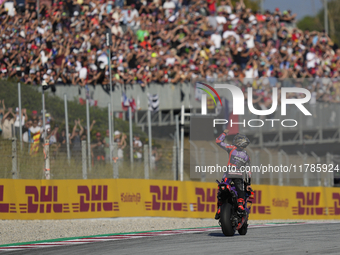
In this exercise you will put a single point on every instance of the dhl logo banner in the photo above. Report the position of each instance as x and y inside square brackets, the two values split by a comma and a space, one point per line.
[70, 199]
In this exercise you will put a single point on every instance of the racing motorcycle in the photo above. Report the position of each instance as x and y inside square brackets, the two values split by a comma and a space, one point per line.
[230, 218]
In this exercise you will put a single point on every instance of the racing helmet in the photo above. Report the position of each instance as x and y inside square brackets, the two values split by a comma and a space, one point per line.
[241, 141]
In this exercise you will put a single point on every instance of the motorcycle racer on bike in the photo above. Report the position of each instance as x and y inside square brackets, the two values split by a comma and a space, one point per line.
[238, 158]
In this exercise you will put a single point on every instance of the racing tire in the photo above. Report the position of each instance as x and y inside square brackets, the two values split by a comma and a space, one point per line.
[243, 230]
[226, 224]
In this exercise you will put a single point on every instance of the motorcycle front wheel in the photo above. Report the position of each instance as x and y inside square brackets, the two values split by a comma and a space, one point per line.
[226, 224]
[243, 230]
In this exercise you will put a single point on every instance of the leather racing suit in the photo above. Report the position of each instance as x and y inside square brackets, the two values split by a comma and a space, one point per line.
[238, 158]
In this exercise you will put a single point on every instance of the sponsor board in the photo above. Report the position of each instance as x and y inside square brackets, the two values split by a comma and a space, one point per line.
[71, 199]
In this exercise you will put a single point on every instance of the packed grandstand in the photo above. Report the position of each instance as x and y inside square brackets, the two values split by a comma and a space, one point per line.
[155, 41]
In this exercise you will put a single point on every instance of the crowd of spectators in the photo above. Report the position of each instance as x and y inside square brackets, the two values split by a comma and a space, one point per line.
[33, 133]
[160, 41]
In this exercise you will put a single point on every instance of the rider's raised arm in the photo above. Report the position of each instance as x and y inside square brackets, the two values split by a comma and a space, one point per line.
[248, 171]
[223, 145]
[247, 178]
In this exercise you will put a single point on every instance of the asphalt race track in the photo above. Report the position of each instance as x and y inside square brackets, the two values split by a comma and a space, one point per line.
[288, 239]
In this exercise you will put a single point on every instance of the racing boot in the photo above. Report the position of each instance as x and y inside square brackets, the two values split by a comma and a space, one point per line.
[240, 208]
[217, 215]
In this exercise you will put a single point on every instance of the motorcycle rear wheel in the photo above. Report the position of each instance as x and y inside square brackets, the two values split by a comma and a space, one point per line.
[226, 224]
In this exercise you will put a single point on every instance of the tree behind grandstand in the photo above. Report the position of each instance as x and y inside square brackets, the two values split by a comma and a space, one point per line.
[317, 22]
[252, 4]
